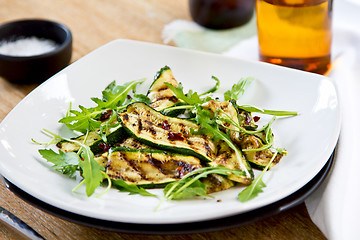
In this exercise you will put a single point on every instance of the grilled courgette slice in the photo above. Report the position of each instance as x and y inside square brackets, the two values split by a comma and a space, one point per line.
[148, 166]
[175, 135]
[225, 109]
[131, 142]
[67, 146]
[226, 156]
[160, 95]
[167, 133]
[259, 158]
[97, 145]
[216, 183]
[153, 168]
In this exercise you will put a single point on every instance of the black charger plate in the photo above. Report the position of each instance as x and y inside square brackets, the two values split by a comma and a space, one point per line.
[183, 228]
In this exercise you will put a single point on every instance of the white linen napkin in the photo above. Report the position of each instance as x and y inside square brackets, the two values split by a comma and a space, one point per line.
[187, 34]
[335, 206]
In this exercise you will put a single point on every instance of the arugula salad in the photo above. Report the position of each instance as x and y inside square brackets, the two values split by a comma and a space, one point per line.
[187, 143]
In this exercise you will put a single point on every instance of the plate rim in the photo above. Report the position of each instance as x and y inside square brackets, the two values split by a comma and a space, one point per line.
[212, 225]
[176, 49]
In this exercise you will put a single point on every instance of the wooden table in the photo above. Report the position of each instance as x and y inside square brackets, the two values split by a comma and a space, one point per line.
[94, 23]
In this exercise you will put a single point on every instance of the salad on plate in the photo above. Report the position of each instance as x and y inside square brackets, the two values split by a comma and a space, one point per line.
[190, 144]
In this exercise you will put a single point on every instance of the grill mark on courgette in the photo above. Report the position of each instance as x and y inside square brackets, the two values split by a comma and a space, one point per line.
[216, 183]
[169, 98]
[148, 167]
[208, 149]
[126, 117]
[257, 159]
[132, 143]
[163, 88]
[137, 168]
[183, 129]
[223, 158]
[155, 162]
[117, 174]
[160, 95]
[139, 126]
[150, 127]
[179, 169]
[131, 164]
[189, 142]
[201, 146]
[184, 168]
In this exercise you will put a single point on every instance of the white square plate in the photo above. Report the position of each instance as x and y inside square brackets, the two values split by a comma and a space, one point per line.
[309, 137]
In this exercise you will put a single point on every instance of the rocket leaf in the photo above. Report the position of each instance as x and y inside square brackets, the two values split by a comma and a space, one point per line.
[113, 97]
[67, 163]
[237, 89]
[91, 170]
[256, 186]
[132, 189]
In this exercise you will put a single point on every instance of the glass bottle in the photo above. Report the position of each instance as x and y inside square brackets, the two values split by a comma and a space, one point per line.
[221, 14]
[295, 33]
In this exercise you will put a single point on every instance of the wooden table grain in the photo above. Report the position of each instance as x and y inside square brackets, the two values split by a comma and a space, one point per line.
[94, 23]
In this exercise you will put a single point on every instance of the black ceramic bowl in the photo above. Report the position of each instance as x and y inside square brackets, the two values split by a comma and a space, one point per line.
[35, 68]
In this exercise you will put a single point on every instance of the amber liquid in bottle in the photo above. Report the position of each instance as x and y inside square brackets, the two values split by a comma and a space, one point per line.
[295, 33]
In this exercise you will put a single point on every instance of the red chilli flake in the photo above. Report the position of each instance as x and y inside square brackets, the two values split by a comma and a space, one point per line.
[105, 115]
[103, 146]
[181, 171]
[175, 136]
[247, 119]
[256, 118]
[165, 125]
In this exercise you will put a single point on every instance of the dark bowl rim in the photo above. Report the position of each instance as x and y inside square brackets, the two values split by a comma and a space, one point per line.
[59, 48]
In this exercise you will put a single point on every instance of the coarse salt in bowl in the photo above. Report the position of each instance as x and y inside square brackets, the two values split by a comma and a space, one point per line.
[32, 50]
[27, 46]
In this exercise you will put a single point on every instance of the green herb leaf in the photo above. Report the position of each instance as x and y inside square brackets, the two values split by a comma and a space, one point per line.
[105, 128]
[132, 189]
[190, 186]
[82, 121]
[238, 89]
[213, 89]
[256, 186]
[249, 108]
[210, 126]
[67, 163]
[190, 98]
[113, 97]
[252, 190]
[195, 188]
[91, 170]
[116, 95]
[141, 98]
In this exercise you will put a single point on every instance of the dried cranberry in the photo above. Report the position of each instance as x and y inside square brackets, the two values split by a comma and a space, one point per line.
[256, 118]
[175, 136]
[165, 125]
[103, 146]
[247, 119]
[181, 171]
[105, 115]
